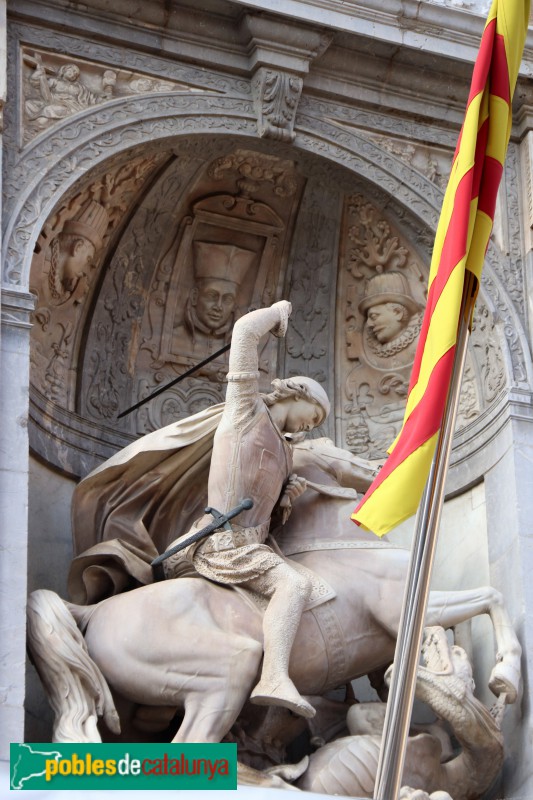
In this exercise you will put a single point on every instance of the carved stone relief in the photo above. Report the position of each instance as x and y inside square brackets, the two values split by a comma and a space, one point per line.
[526, 158]
[276, 95]
[382, 282]
[179, 280]
[57, 86]
[513, 274]
[104, 134]
[309, 340]
[432, 162]
[488, 355]
[68, 256]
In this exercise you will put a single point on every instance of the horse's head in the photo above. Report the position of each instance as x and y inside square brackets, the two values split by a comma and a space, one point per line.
[323, 455]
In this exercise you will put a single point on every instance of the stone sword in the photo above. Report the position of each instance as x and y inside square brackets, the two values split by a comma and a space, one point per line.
[219, 521]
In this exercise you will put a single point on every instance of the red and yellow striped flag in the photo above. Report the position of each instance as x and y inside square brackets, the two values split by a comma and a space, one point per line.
[461, 241]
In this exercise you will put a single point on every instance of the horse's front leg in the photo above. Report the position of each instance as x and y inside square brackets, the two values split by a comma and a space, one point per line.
[450, 608]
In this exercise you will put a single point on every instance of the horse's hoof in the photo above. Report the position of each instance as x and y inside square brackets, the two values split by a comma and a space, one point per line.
[505, 679]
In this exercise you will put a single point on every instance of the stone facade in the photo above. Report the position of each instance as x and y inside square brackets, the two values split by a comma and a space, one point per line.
[316, 144]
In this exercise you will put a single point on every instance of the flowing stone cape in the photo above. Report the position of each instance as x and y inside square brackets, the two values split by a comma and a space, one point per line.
[129, 509]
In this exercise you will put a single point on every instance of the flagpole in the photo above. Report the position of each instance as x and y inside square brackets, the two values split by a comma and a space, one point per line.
[404, 672]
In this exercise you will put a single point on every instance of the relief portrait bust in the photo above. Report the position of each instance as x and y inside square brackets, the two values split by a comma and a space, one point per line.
[392, 321]
[209, 312]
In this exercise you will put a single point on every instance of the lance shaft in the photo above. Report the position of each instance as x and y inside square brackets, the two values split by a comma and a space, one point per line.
[404, 671]
[175, 381]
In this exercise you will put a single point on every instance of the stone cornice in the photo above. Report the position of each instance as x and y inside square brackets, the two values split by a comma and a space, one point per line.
[376, 58]
[429, 27]
[16, 307]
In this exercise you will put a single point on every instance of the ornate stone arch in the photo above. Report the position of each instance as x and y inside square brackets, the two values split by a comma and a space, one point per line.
[59, 162]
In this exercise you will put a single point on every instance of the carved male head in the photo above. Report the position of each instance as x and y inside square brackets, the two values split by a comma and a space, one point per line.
[388, 306]
[78, 242]
[218, 271]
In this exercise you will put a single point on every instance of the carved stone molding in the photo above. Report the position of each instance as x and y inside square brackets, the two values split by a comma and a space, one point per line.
[434, 163]
[285, 45]
[280, 54]
[17, 307]
[130, 61]
[526, 156]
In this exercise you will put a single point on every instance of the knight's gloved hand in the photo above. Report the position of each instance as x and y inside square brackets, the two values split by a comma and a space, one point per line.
[284, 308]
[294, 487]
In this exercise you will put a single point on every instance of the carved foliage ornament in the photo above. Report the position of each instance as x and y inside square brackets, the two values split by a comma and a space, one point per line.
[276, 96]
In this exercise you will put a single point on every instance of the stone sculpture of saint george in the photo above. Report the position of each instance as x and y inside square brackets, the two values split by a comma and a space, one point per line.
[253, 458]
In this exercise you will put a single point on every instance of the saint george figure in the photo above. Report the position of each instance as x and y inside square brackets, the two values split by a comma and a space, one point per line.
[72, 251]
[393, 321]
[252, 457]
[219, 269]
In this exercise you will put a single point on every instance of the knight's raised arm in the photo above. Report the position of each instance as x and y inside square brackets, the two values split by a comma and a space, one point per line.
[248, 332]
[243, 376]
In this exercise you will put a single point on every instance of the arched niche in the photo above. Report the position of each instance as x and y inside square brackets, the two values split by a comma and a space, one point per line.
[318, 178]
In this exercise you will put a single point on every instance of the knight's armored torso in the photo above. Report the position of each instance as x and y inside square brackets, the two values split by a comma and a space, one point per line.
[251, 461]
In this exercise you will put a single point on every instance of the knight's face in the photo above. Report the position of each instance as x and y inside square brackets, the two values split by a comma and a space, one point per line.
[302, 415]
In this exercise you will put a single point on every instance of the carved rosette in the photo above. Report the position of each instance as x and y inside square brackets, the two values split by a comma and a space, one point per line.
[276, 95]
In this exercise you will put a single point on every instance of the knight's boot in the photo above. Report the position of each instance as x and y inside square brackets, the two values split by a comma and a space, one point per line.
[281, 693]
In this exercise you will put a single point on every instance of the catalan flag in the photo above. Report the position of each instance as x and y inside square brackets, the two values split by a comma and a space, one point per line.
[461, 241]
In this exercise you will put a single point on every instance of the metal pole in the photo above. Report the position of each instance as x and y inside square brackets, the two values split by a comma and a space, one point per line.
[403, 680]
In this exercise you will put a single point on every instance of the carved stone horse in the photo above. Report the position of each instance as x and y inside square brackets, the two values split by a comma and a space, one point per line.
[195, 646]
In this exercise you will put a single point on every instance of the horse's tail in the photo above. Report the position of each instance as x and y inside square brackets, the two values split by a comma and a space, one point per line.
[76, 689]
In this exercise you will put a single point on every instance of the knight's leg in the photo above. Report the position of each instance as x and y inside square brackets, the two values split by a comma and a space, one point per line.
[289, 592]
